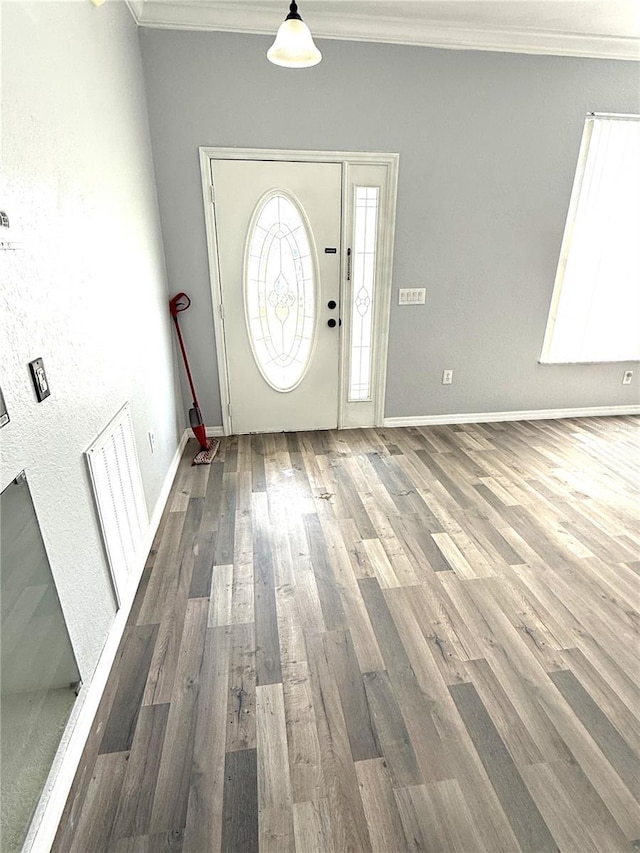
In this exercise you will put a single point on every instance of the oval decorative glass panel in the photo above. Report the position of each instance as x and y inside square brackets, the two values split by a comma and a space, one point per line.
[279, 291]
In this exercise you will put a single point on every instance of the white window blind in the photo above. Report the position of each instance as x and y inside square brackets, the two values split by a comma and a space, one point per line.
[595, 308]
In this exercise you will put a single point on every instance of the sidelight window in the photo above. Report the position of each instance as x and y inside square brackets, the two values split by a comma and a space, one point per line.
[362, 290]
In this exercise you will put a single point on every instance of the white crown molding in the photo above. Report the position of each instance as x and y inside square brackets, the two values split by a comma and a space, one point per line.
[252, 18]
[493, 417]
[136, 7]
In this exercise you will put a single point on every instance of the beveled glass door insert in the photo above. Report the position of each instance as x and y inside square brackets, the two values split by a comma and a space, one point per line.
[279, 291]
[365, 220]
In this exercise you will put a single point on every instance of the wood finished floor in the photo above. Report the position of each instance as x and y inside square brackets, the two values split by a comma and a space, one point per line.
[381, 640]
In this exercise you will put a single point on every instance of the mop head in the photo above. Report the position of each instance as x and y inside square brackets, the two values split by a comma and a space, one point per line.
[205, 457]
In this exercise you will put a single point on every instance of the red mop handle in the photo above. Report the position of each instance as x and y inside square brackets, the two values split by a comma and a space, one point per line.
[181, 302]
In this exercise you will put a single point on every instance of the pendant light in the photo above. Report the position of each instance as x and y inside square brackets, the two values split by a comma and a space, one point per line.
[293, 46]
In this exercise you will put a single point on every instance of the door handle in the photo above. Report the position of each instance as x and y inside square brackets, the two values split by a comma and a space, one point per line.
[333, 323]
[331, 304]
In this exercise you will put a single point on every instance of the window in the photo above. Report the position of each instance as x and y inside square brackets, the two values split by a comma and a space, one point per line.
[595, 307]
[363, 285]
[280, 292]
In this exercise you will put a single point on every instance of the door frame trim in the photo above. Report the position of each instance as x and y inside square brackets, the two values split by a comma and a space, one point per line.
[207, 154]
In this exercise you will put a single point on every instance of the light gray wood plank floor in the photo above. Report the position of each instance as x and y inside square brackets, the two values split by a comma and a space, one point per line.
[389, 640]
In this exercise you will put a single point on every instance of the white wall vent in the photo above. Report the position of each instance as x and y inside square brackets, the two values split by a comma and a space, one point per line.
[117, 486]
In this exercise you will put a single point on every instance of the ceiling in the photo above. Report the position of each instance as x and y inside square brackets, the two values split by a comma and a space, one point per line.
[596, 28]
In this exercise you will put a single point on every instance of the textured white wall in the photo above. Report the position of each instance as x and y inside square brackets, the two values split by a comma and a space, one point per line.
[88, 290]
[488, 144]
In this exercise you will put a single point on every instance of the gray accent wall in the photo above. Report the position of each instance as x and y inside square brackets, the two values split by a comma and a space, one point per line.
[488, 144]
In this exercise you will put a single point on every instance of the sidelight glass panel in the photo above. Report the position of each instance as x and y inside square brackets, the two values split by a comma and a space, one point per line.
[280, 297]
[363, 280]
[39, 677]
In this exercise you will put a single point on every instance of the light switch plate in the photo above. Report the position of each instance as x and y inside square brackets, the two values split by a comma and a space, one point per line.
[412, 296]
[4, 414]
[39, 377]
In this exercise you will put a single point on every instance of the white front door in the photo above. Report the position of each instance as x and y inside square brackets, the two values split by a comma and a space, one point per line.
[278, 227]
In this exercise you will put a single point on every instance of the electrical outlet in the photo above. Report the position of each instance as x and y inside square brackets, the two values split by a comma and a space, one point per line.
[152, 441]
[447, 377]
[627, 377]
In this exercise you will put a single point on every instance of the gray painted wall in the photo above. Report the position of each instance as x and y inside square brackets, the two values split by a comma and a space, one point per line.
[87, 292]
[488, 144]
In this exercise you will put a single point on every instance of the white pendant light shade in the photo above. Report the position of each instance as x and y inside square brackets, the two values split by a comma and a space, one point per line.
[293, 46]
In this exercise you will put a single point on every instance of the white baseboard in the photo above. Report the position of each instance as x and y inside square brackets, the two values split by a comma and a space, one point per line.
[162, 500]
[490, 417]
[56, 790]
[212, 432]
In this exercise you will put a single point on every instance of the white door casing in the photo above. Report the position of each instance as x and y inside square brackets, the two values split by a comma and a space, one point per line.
[227, 239]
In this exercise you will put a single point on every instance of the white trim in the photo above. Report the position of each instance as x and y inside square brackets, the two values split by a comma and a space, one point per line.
[214, 276]
[381, 330]
[254, 18]
[136, 7]
[65, 764]
[212, 432]
[619, 116]
[491, 417]
[370, 412]
[296, 156]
